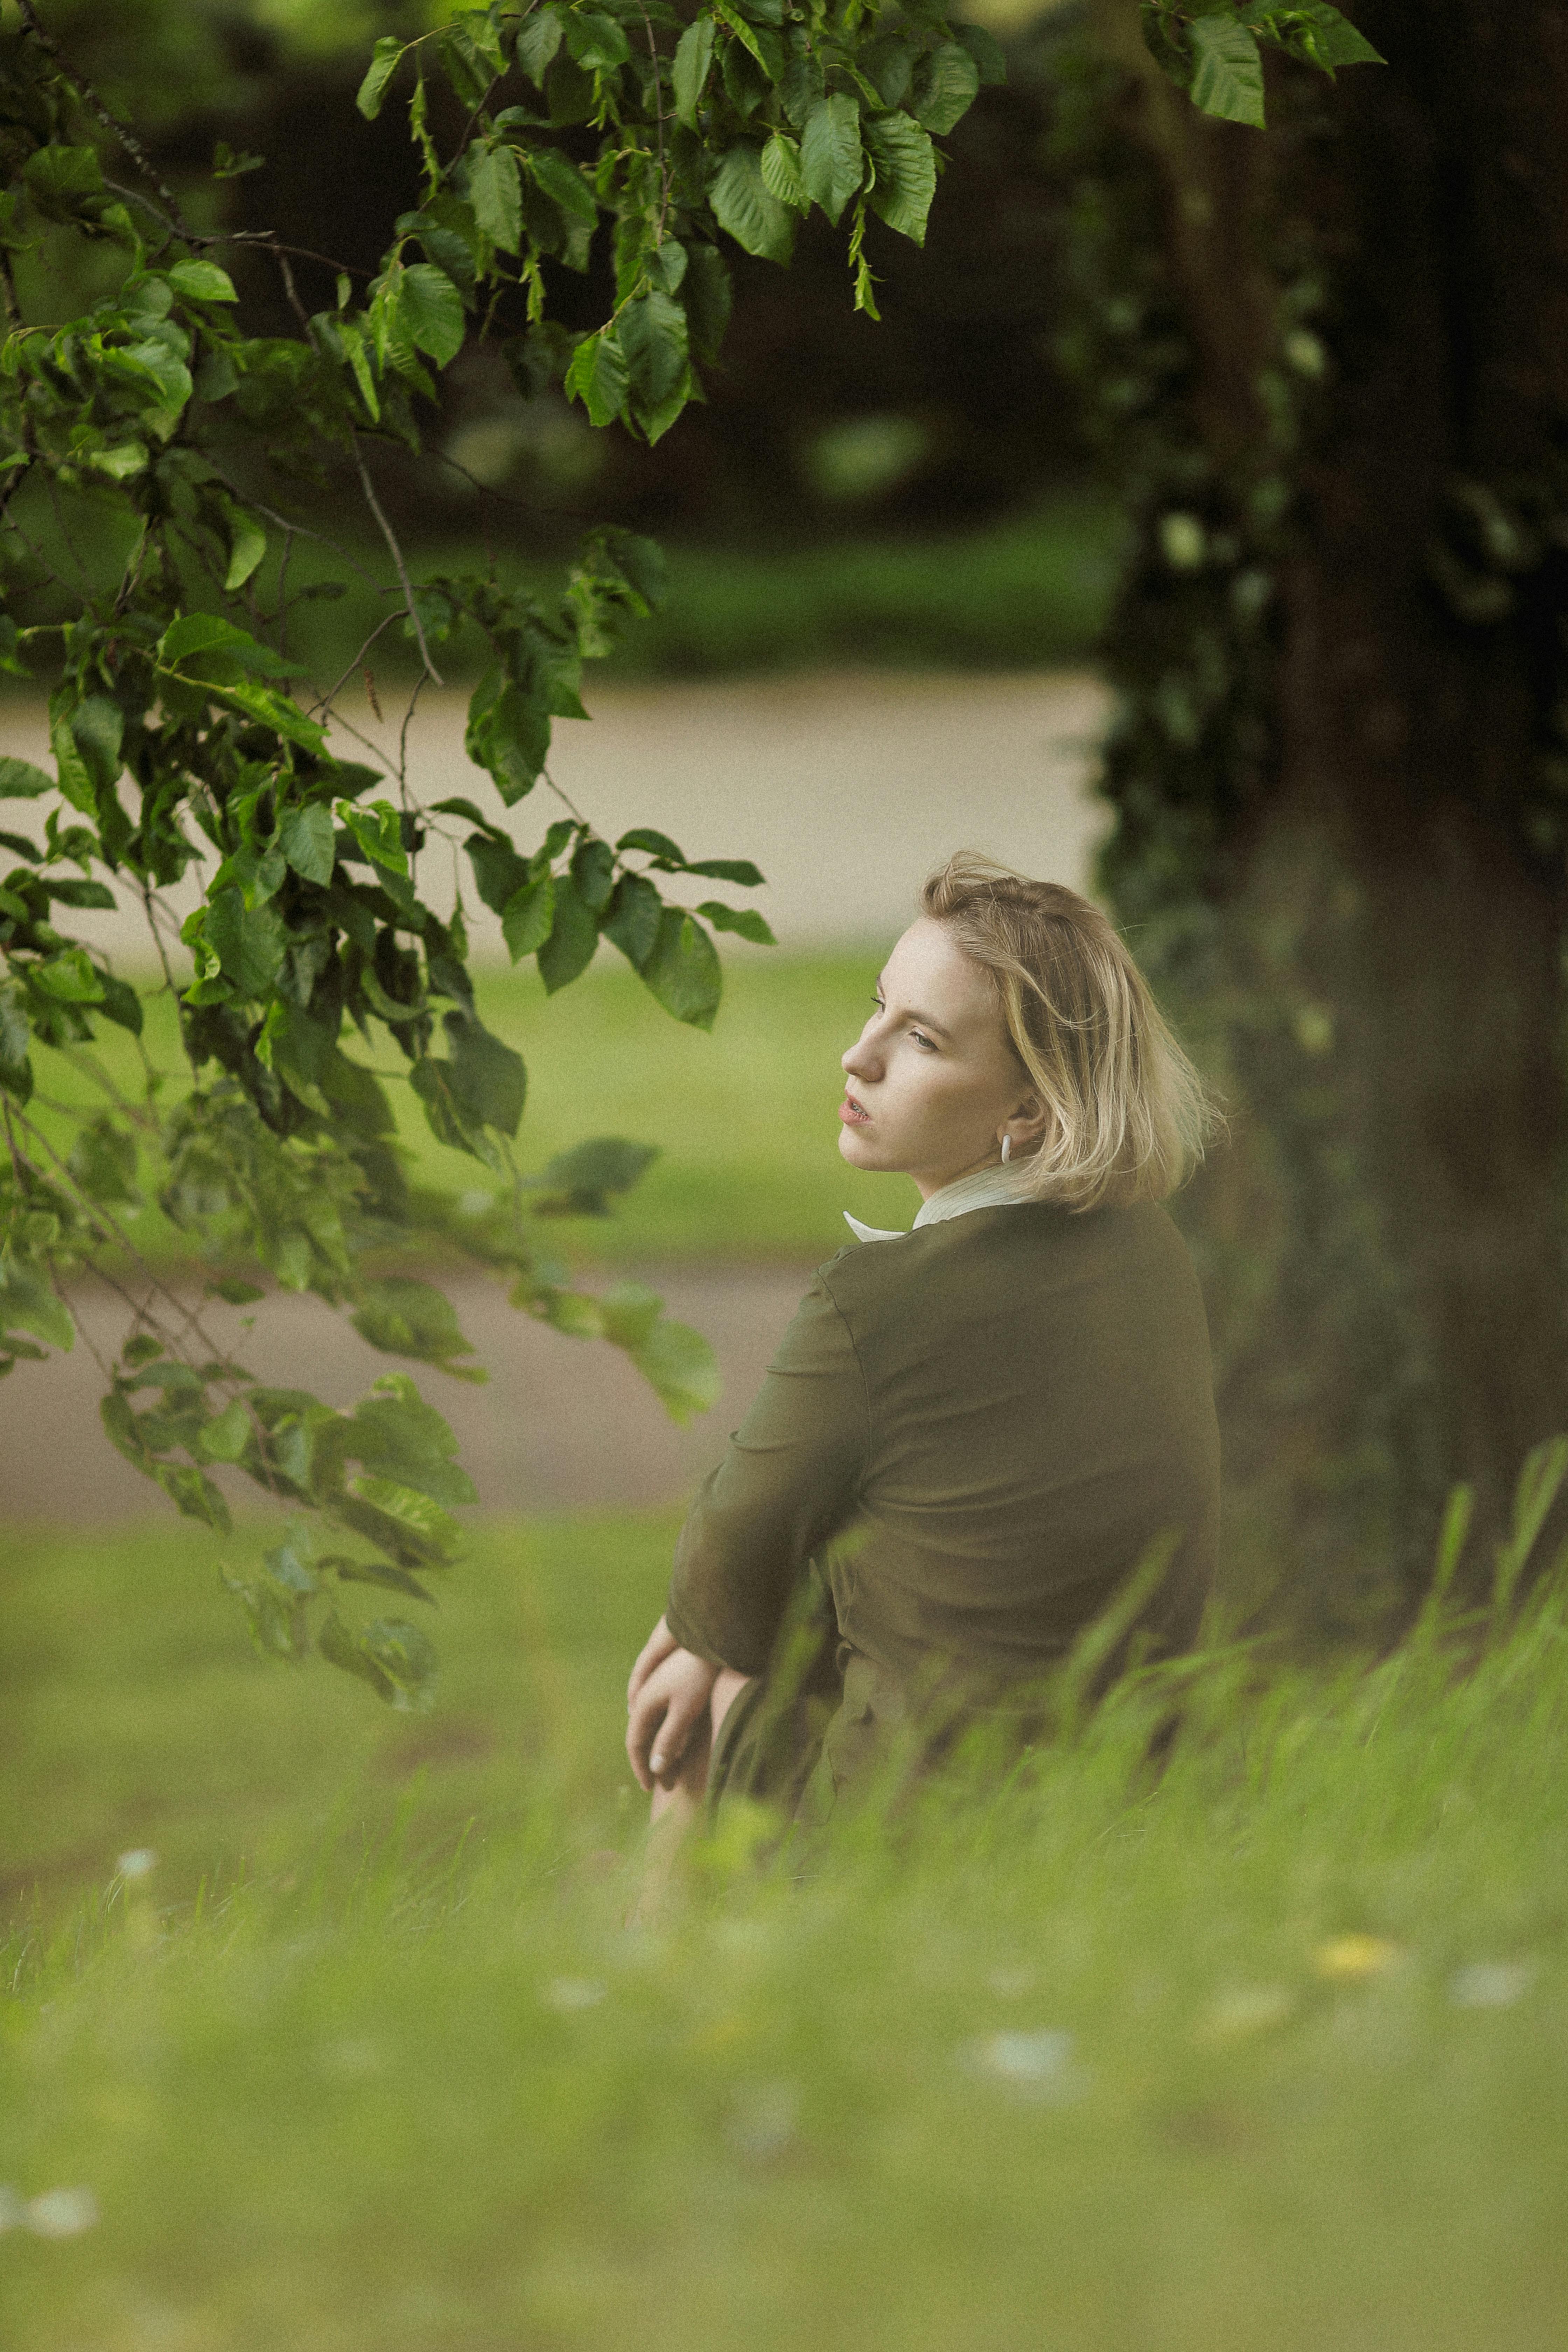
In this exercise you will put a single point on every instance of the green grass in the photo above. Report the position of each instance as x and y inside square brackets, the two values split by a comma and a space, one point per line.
[1024, 593]
[381, 2094]
[743, 1117]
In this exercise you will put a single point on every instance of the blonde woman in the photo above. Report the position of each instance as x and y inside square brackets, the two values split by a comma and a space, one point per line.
[972, 1433]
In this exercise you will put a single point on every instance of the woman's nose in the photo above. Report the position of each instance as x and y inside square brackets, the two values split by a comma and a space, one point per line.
[859, 1062]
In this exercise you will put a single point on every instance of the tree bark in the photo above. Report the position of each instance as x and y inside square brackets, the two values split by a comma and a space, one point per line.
[1391, 909]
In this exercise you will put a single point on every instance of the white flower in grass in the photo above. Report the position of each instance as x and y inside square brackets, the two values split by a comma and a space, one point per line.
[1040, 2063]
[567, 1993]
[1491, 1984]
[60, 2213]
[140, 1861]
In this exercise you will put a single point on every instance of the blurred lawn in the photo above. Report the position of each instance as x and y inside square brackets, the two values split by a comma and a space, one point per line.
[745, 1116]
[1031, 591]
[1271, 2052]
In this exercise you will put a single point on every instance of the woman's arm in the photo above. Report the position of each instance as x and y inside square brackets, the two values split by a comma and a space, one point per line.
[788, 1480]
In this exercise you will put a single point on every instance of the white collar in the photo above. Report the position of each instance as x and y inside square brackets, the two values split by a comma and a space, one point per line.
[990, 1188]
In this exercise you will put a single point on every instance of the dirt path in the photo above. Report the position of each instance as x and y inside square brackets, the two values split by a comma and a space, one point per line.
[562, 1422]
[845, 789]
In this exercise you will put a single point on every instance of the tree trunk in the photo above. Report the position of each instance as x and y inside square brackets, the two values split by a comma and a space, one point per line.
[1389, 901]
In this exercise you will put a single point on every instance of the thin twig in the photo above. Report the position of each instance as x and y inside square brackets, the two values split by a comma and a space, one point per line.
[658, 117]
[403, 739]
[397, 552]
[561, 796]
[325, 702]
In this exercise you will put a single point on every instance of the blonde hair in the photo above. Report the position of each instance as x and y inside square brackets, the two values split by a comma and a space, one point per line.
[1128, 1114]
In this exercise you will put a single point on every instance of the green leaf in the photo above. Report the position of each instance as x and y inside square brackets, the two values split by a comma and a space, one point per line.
[742, 205]
[121, 1003]
[683, 970]
[633, 921]
[460, 807]
[780, 173]
[431, 310]
[986, 51]
[69, 978]
[64, 178]
[538, 38]
[599, 376]
[596, 43]
[1227, 71]
[192, 1494]
[383, 58]
[415, 1529]
[693, 57]
[743, 919]
[275, 710]
[380, 1572]
[98, 727]
[946, 88]
[226, 1436]
[306, 838]
[680, 1367]
[29, 1303]
[905, 165]
[487, 1078]
[248, 941]
[193, 634]
[103, 1161]
[246, 546]
[528, 916]
[395, 1432]
[582, 1181]
[405, 1317]
[831, 162]
[573, 936]
[406, 1658]
[237, 1292]
[739, 870]
[653, 337]
[496, 194]
[20, 780]
[202, 281]
[509, 733]
[565, 183]
[708, 296]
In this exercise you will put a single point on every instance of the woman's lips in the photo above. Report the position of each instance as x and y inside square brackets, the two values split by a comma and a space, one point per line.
[851, 1112]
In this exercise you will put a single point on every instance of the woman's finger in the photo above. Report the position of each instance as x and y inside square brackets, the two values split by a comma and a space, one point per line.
[644, 1718]
[685, 1708]
[654, 1651]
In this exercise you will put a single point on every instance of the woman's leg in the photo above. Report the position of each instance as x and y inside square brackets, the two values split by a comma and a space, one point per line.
[684, 1800]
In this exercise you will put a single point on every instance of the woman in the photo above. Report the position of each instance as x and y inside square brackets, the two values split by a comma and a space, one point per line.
[974, 1433]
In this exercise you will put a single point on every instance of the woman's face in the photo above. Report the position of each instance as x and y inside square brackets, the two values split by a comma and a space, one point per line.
[933, 1083]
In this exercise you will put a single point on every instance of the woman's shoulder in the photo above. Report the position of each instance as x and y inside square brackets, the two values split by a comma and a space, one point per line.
[1006, 1246]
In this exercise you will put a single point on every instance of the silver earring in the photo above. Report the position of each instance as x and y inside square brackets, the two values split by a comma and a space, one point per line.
[1006, 1149]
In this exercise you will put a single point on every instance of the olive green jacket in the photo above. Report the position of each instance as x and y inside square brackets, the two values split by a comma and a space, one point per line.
[974, 1431]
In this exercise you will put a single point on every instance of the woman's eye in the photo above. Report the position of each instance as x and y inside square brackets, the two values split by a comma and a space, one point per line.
[930, 1043]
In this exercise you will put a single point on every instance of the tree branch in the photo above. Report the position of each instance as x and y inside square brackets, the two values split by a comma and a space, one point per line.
[397, 552]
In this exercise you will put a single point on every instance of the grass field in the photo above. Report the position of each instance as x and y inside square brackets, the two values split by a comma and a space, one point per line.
[743, 1117]
[1271, 2052]
[1026, 592]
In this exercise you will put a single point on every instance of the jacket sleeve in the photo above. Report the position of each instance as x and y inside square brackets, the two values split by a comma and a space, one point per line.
[788, 1479]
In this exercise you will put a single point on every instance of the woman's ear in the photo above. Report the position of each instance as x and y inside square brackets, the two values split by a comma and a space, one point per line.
[1026, 1123]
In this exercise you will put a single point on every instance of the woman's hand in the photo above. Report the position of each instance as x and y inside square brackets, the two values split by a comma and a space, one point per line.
[667, 1703]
